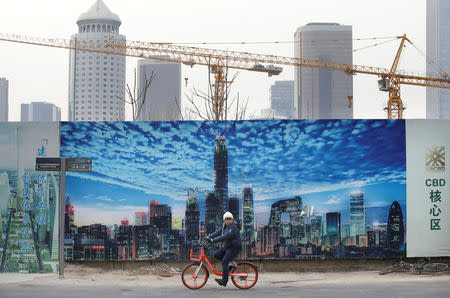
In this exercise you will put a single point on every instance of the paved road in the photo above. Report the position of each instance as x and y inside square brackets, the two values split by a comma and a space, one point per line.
[404, 289]
[94, 283]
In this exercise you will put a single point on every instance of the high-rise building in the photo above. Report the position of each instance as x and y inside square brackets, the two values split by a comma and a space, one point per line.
[3, 100]
[294, 208]
[39, 111]
[221, 173]
[320, 93]
[395, 227]
[333, 227]
[234, 207]
[124, 222]
[163, 97]
[69, 218]
[248, 214]
[282, 99]
[139, 218]
[438, 50]
[316, 226]
[357, 214]
[212, 215]
[96, 80]
[192, 215]
[159, 215]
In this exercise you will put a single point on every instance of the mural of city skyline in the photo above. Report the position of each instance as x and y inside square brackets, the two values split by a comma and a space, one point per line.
[317, 187]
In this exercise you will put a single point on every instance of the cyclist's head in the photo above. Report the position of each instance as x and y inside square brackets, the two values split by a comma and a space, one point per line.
[227, 215]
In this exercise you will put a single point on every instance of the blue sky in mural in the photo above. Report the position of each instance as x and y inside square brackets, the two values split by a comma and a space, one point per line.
[322, 160]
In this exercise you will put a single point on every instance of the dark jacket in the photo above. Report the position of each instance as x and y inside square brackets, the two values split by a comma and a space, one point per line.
[231, 236]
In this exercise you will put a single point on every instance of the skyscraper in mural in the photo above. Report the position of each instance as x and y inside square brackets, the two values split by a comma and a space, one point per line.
[96, 80]
[192, 215]
[320, 93]
[4, 100]
[162, 100]
[438, 50]
[221, 173]
[234, 207]
[357, 214]
[395, 228]
[333, 227]
[248, 213]
[212, 215]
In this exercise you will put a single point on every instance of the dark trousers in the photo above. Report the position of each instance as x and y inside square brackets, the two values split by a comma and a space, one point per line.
[226, 255]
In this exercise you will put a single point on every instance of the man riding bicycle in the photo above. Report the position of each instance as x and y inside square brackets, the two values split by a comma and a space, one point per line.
[230, 235]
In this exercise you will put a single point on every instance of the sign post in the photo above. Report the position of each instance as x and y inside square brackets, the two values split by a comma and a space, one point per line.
[62, 165]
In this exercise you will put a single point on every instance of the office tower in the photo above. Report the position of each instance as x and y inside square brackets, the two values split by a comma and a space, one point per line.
[282, 99]
[124, 222]
[221, 173]
[320, 93]
[357, 214]
[248, 214]
[69, 218]
[234, 207]
[139, 218]
[163, 97]
[96, 80]
[294, 208]
[212, 215]
[438, 50]
[395, 227]
[39, 111]
[3, 100]
[316, 226]
[159, 215]
[192, 215]
[333, 227]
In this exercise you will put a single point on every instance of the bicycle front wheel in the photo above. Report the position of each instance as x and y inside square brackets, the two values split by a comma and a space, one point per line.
[246, 276]
[194, 276]
[393, 268]
[435, 267]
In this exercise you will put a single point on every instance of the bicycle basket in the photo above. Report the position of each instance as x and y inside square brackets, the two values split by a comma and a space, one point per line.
[195, 256]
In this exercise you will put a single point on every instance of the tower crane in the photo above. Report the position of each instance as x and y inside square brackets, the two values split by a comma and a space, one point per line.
[220, 60]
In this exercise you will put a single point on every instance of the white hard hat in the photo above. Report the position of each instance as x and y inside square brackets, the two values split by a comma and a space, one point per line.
[227, 215]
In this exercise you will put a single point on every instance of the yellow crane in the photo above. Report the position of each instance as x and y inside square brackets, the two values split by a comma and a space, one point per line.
[220, 60]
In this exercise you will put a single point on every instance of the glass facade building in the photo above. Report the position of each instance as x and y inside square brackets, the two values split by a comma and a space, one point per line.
[319, 93]
[357, 214]
[438, 50]
[163, 97]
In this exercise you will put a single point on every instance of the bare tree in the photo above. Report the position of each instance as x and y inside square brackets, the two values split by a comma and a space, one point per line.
[214, 104]
[136, 98]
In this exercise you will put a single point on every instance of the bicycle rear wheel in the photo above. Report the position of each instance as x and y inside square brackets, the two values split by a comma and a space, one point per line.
[248, 275]
[194, 282]
[393, 268]
[435, 267]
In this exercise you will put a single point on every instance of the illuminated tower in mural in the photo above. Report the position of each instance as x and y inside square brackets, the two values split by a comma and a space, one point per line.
[221, 173]
[212, 215]
[334, 227]
[357, 214]
[395, 227]
[248, 213]
[192, 217]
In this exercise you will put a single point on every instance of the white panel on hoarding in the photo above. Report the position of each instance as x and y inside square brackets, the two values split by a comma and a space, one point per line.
[428, 192]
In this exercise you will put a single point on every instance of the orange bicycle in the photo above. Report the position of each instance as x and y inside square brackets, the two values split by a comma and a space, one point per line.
[244, 274]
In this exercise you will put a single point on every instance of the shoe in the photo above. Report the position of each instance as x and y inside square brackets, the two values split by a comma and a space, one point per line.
[220, 282]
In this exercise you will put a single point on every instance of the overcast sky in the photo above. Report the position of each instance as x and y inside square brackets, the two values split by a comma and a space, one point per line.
[41, 73]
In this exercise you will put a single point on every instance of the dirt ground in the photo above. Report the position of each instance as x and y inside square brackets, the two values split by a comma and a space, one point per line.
[164, 275]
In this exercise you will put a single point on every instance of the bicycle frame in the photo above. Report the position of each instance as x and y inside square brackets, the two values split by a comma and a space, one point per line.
[203, 258]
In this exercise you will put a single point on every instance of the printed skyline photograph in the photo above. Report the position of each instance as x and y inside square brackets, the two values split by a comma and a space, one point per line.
[135, 163]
